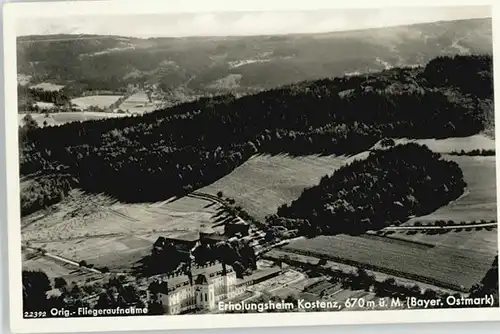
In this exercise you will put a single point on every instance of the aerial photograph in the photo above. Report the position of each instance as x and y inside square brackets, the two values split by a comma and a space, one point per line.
[245, 162]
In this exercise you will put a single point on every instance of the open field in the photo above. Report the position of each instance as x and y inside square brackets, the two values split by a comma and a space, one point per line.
[54, 119]
[483, 240]
[449, 267]
[101, 101]
[263, 183]
[479, 200]
[47, 86]
[138, 103]
[55, 269]
[44, 105]
[104, 232]
[281, 253]
[118, 253]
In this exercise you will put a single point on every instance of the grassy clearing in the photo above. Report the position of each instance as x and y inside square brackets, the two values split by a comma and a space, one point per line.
[483, 240]
[101, 101]
[138, 103]
[118, 253]
[443, 266]
[90, 216]
[479, 201]
[105, 232]
[280, 253]
[55, 269]
[264, 182]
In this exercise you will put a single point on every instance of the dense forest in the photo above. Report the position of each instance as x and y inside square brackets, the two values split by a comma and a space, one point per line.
[173, 151]
[386, 188]
[41, 192]
[27, 98]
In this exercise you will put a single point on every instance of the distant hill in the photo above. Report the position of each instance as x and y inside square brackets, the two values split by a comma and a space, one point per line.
[216, 65]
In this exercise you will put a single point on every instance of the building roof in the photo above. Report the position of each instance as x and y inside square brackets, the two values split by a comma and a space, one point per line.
[190, 237]
[213, 237]
[209, 269]
[200, 275]
[239, 222]
[259, 274]
[174, 281]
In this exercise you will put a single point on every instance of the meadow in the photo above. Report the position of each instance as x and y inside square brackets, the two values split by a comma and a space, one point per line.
[479, 200]
[104, 232]
[264, 182]
[449, 267]
[138, 103]
[55, 269]
[484, 240]
[282, 253]
[101, 101]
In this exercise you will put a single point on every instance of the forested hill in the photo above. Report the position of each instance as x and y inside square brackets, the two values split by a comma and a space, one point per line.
[176, 150]
[185, 68]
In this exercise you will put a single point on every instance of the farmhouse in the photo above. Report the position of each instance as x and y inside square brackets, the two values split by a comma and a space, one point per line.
[210, 239]
[183, 243]
[204, 286]
[186, 242]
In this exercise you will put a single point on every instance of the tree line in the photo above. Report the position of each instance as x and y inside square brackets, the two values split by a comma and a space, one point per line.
[179, 149]
[45, 190]
[475, 152]
[27, 98]
[384, 189]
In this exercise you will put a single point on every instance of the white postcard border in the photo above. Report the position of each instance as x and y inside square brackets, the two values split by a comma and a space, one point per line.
[13, 11]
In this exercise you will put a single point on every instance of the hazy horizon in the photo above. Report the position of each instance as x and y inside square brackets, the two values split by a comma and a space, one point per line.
[229, 24]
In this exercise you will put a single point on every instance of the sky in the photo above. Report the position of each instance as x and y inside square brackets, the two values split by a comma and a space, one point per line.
[243, 23]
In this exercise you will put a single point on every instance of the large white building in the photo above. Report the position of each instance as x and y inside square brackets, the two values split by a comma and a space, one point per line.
[204, 286]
